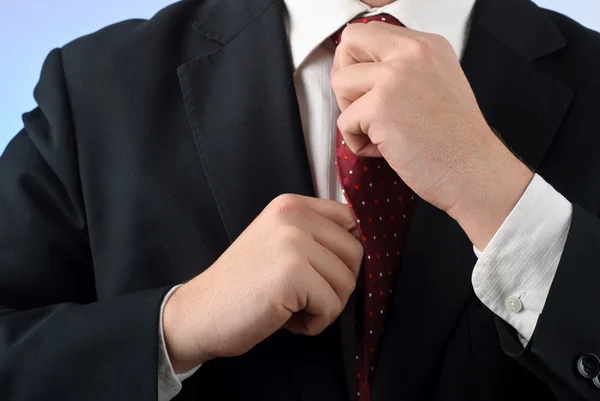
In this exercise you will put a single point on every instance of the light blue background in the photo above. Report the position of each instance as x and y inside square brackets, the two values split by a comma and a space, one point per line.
[29, 29]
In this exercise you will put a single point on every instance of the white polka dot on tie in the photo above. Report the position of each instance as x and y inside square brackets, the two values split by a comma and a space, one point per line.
[370, 184]
[381, 274]
[383, 19]
[378, 167]
[395, 182]
[387, 254]
[363, 202]
[403, 216]
[412, 198]
[343, 142]
[388, 199]
[356, 356]
[395, 235]
[372, 368]
[390, 291]
[358, 394]
[358, 221]
[350, 171]
[370, 295]
[369, 257]
[343, 191]
[374, 237]
[382, 311]
[380, 218]
[370, 331]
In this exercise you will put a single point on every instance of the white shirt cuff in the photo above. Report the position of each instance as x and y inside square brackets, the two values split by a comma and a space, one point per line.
[514, 273]
[169, 383]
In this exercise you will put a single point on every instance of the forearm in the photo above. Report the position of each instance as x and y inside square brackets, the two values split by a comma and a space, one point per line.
[104, 350]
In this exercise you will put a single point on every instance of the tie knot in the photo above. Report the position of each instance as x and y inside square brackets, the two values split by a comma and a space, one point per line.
[337, 37]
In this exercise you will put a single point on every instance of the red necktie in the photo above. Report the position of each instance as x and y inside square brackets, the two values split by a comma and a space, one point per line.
[382, 205]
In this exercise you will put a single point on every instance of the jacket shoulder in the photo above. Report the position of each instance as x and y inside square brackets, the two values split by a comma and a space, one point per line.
[583, 44]
[129, 45]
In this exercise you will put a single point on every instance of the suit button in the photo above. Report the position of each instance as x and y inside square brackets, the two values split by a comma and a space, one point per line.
[588, 366]
[596, 381]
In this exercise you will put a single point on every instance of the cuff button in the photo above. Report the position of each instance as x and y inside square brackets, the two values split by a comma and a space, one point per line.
[589, 366]
[513, 304]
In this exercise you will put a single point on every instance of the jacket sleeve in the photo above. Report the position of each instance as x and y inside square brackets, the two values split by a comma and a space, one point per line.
[56, 340]
[569, 326]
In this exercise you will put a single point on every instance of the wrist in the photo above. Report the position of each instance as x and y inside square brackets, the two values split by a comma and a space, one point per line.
[489, 198]
[182, 347]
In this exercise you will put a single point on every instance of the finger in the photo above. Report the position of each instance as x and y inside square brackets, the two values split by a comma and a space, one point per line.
[336, 212]
[371, 42]
[321, 305]
[343, 245]
[352, 82]
[347, 54]
[329, 223]
[364, 43]
[378, 41]
[339, 276]
[354, 124]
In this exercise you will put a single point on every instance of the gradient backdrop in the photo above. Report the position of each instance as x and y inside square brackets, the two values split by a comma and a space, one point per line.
[29, 29]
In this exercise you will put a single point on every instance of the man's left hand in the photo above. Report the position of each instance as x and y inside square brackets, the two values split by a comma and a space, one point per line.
[404, 97]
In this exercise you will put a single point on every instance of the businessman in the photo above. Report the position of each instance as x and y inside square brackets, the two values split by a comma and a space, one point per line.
[308, 200]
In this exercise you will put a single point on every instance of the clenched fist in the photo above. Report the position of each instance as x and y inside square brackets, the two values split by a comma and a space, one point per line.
[404, 97]
[295, 267]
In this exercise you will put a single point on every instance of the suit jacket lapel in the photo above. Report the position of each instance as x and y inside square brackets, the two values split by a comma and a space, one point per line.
[242, 107]
[526, 107]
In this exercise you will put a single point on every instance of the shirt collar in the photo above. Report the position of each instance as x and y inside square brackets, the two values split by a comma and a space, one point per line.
[310, 22]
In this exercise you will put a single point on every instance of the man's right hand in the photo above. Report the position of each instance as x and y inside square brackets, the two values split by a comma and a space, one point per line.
[295, 266]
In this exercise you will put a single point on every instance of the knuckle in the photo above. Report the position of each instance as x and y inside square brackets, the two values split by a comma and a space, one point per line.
[337, 81]
[357, 253]
[439, 40]
[397, 42]
[291, 235]
[285, 204]
[420, 48]
[349, 33]
[343, 122]
[390, 71]
[335, 310]
[349, 284]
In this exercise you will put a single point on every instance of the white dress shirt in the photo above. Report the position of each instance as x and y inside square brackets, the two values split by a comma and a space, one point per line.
[514, 273]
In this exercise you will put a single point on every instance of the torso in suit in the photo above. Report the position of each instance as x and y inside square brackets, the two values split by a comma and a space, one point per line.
[157, 142]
